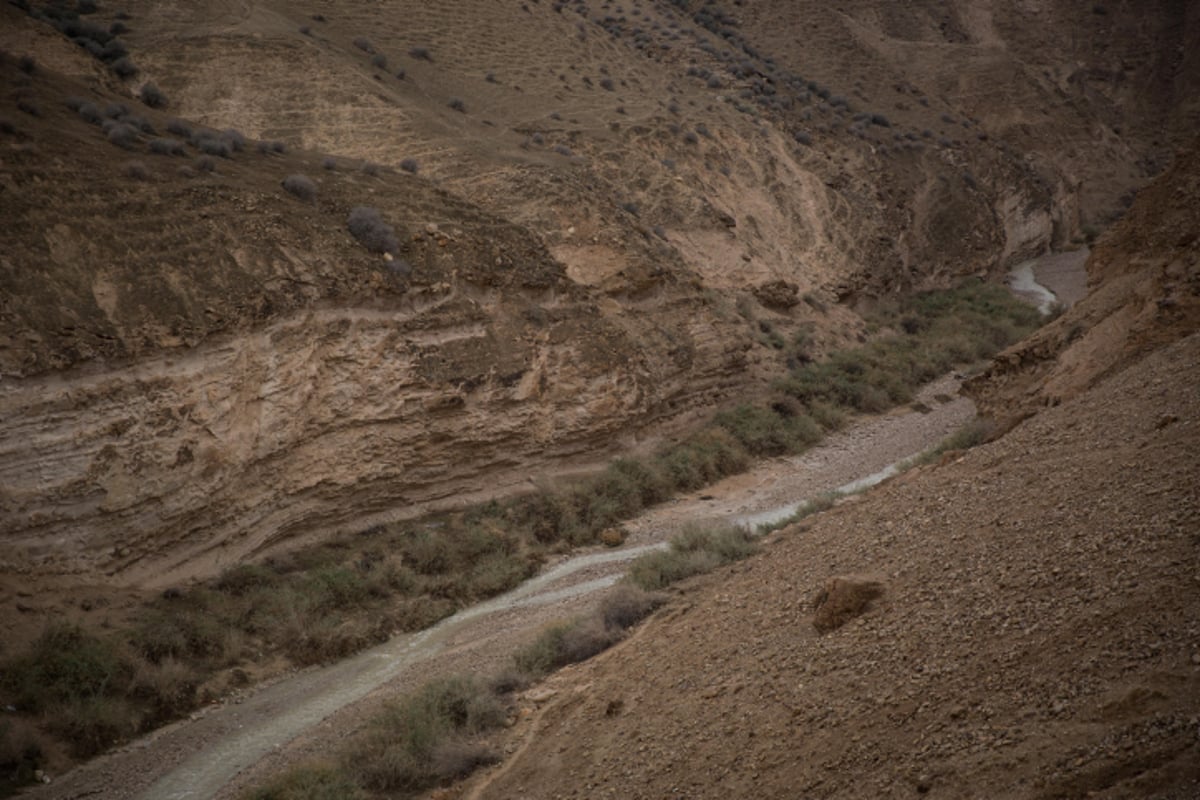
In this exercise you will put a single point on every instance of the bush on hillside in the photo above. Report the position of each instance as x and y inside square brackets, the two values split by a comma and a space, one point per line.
[368, 227]
[301, 186]
[153, 96]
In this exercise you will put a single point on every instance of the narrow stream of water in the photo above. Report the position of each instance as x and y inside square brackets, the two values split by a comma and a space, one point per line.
[273, 716]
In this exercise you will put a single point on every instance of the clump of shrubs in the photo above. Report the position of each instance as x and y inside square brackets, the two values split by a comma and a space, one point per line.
[427, 737]
[136, 170]
[457, 104]
[124, 68]
[580, 639]
[166, 146]
[694, 551]
[212, 146]
[409, 165]
[234, 138]
[301, 186]
[90, 113]
[368, 227]
[122, 135]
[420, 53]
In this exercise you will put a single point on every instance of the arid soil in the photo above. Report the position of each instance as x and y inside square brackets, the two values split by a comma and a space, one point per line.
[227, 747]
[607, 219]
[1036, 635]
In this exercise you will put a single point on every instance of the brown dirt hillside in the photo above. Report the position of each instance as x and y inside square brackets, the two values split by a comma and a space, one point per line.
[610, 202]
[1036, 636]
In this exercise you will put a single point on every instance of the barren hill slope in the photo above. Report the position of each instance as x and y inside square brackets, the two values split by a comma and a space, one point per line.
[610, 202]
[1035, 635]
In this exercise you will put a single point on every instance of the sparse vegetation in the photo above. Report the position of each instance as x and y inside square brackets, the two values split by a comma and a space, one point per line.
[136, 170]
[300, 186]
[90, 113]
[153, 96]
[167, 147]
[975, 432]
[457, 104]
[329, 601]
[124, 68]
[368, 227]
[420, 53]
[122, 135]
[822, 502]
[211, 146]
[426, 737]
[409, 165]
[234, 138]
[694, 551]
[309, 782]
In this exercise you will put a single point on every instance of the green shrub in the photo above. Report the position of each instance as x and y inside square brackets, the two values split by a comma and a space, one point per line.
[694, 551]
[65, 664]
[408, 743]
[626, 604]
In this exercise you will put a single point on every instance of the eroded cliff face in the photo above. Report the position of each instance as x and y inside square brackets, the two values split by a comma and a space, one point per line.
[325, 421]
[198, 367]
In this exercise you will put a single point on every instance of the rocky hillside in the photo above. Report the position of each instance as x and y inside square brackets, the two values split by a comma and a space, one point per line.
[1016, 621]
[597, 211]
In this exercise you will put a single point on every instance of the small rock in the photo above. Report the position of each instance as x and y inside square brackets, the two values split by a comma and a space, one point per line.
[842, 599]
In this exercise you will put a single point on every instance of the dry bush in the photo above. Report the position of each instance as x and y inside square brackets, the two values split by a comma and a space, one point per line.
[167, 147]
[300, 186]
[694, 551]
[368, 227]
[153, 96]
[309, 782]
[625, 605]
[414, 740]
[168, 687]
[136, 170]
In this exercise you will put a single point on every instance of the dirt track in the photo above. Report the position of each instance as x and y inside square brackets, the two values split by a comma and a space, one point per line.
[250, 735]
